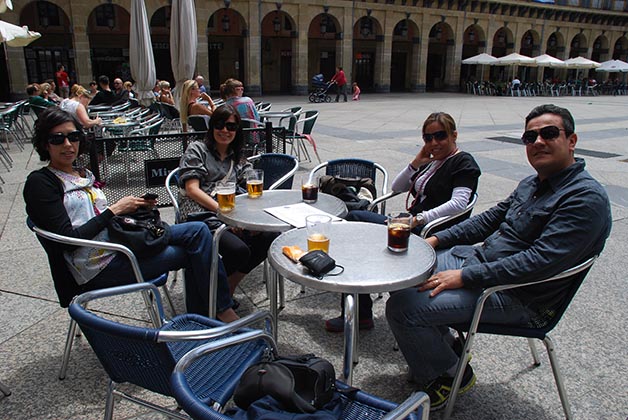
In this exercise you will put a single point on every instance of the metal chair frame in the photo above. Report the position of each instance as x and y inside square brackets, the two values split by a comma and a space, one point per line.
[159, 281]
[199, 122]
[306, 120]
[475, 327]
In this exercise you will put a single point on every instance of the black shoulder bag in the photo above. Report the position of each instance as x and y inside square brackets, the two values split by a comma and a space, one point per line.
[143, 232]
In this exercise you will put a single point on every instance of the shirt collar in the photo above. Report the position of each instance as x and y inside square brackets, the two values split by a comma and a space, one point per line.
[557, 180]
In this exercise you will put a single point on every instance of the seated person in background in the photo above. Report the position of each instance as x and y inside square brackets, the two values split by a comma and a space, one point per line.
[440, 181]
[553, 220]
[231, 91]
[34, 97]
[104, 96]
[64, 200]
[122, 95]
[201, 84]
[165, 95]
[203, 165]
[93, 88]
[52, 95]
[77, 106]
[129, 87]
[190, 105]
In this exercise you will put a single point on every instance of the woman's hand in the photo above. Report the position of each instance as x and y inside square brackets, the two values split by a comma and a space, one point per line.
[421, 158]
[130, 204]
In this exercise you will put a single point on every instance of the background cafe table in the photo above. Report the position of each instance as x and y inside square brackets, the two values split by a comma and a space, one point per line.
[369, 267]
[249, 214]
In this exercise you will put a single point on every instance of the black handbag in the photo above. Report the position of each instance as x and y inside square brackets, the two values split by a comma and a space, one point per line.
[143, 232]
[319, 263]
[301, 384]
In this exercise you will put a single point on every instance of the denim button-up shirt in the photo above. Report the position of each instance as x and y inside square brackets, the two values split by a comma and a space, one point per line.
[542, 229]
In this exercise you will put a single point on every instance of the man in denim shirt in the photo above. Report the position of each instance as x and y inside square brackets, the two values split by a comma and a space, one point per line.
[551, 222]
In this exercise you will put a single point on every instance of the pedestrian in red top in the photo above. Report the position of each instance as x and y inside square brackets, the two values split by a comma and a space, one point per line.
[340, 79]
[63, 81]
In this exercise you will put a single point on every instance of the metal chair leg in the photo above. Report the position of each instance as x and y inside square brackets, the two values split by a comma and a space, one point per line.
[169, 299]
[535, 354]
[558, 377]
[110, 400]
[68, 347]
[5, 389]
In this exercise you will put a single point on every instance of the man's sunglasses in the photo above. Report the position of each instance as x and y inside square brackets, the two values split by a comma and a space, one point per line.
[59, 138]
[231, 126]
[438, 136]
[547, 133]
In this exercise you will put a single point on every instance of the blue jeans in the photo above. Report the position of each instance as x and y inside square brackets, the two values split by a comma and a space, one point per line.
[420, 322]
[189, 248]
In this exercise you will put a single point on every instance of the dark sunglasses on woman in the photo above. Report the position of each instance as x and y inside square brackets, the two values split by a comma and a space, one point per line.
[231, 126]
[59, 138]
[547, 133]
[438, 136]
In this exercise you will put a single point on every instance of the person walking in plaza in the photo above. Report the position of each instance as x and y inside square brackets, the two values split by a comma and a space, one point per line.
[63, 81]
[190, 104]
[552, 221]
[63, 199]
[341, 82]
[440, 181]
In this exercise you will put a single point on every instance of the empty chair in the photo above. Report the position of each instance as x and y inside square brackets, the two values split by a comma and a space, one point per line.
[355, 404]
[146, 356]
[198, 122]
[303, 132]
[279, 169]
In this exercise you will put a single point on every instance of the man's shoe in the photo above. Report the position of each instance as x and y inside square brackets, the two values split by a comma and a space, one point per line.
[338, 324]
[440, 389]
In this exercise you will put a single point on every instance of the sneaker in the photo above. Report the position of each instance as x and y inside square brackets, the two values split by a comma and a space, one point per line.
[439, 389]
[338, 324]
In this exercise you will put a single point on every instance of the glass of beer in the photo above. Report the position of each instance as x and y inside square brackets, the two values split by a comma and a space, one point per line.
[225, 193]
[399, 227]
[318, 226]
[255, 183]
[309, 189]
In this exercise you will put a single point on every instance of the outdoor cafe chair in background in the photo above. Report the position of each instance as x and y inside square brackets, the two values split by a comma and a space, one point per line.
[303, 133]
[356, 404]
[199, 122]
[263, 106]
[279, 169]
[171, 114]
[146, 356]
[574, 276]
[65, 285]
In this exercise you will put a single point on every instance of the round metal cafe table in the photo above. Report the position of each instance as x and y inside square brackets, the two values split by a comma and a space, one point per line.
[369, 267]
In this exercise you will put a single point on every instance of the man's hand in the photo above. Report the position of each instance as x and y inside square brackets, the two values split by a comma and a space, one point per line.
[432, 241]
[448, 279]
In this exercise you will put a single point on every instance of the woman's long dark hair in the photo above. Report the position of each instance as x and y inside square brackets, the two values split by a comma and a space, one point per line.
[222, 113]
[48, 119]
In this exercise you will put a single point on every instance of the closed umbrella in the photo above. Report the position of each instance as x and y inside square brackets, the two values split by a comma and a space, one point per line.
[141, 54]
[16, 36]
[183, 42]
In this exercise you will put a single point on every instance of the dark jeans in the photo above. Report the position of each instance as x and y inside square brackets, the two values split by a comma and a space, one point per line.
[341, 90]
[246, 251]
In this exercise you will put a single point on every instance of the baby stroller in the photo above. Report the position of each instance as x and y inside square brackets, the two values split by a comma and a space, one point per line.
[319, 89]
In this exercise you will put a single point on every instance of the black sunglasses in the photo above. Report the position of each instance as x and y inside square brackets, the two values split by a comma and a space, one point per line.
[547, 133]
[438, 136]
[59, 138]
[231, 126]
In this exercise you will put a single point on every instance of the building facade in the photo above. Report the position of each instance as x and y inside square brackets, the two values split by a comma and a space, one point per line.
[277, 47]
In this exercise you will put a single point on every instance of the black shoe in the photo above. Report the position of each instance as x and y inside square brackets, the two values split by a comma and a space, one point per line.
[440, 388]
[235, 305]
[338, 324]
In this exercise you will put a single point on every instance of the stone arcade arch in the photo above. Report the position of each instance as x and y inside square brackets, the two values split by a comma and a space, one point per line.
[439, 55]
[404, 56]
[108, 32]
[324, 38]
[226, 30]
[367, 45]
[278, 38]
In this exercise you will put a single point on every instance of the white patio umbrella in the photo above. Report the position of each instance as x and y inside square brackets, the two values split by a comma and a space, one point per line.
[547, 60]
[481, 59]
[141, 54]
[183, 42]
[581, 63]
[16, 36]
[515, 59]
[4, 5]
[611, 66]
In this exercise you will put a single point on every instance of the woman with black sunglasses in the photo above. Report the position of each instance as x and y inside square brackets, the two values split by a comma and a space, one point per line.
[66, 200]
[439, 181]
[203, 165]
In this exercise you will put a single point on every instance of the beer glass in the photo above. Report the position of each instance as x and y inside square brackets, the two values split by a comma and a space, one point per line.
[399, 227]
[225, 193]
[318, 226]
[255, 183]
[309, 189]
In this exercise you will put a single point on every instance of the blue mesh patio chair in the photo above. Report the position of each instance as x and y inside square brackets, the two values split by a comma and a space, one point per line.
[540, 330]
[146, 356]
[278, 169]
[65, 285]
[356, 404]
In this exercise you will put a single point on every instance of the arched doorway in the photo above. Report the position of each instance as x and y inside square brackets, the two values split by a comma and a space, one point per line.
[404, 51]
[531, 47]
[439, 54]
[278, 35]
[503, 45]
[160, 38]
[474, 43]
[600, 49]
[108, 31]
[620, 51]
[226, 31]
[324, 36]
[556, 48]
[55, 46]
[366, 38]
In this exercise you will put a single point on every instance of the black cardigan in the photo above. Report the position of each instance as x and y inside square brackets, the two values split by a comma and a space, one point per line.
[43, 195]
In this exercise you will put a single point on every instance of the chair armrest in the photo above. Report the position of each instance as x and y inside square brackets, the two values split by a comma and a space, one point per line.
[382, 199]
[414, 401]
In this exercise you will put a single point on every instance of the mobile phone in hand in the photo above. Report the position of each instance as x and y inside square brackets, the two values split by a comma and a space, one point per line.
[150, 196]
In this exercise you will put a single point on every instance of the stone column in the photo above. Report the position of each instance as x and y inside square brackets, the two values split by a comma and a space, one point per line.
[344, 54]
[384, 57]
[454, 58]
[253, 45]
[300, 52]
[426, 25]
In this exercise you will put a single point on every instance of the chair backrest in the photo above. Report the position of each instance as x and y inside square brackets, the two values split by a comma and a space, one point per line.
[278, 169]
[172, 188]
[447, 221]
[199, 122]
[307, 121]
[355, 168]
[168, 111]
[121, 107]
